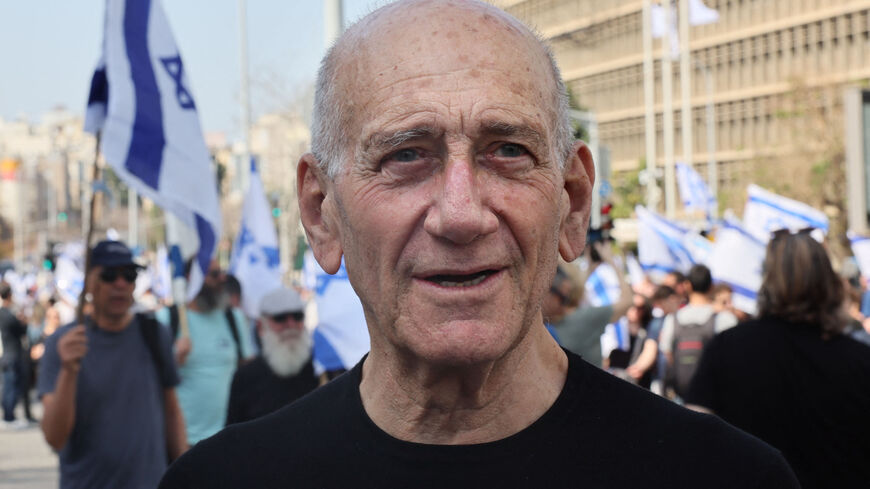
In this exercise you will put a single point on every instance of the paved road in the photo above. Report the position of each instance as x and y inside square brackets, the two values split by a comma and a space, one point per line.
[26, 461]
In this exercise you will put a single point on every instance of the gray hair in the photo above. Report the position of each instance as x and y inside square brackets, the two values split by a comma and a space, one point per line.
[330, 117]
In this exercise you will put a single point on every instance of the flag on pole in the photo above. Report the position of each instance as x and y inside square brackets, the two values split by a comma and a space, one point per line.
[736, 259]
[255, 260]
[766, 212]
[141, 104]
[694, 191]
[663, 24]
[661, 244]
[700, 14]
[341, 337]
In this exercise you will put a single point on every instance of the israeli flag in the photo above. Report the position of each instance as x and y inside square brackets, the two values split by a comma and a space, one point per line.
[255, 260]
[700, 14]
[766, 212]
[861, 250]
[736, 260]
[341, 337]
[141, 104]
[695, 194]
[661, 244]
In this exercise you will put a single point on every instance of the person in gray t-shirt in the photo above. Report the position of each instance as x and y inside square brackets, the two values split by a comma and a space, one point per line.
[110, 407]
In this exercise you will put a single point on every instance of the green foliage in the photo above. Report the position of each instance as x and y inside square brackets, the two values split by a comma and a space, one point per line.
[627, 191]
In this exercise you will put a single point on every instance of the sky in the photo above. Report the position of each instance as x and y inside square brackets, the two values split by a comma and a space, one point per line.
[48, 50]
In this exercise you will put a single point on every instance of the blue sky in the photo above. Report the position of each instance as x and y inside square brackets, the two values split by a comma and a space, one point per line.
[48, 49]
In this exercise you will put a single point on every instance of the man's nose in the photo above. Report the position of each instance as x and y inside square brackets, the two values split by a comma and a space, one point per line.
[460, 213]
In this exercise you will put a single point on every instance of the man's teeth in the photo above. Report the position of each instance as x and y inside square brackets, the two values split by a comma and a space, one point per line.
[465, 283]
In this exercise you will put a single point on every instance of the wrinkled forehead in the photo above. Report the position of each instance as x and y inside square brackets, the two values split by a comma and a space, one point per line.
[413, 39]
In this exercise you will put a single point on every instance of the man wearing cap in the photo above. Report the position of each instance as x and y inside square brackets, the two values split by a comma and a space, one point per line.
[283, 372]
[110, 408]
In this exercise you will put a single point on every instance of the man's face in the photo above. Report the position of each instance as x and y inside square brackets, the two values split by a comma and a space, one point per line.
[450, 206]
[112, 290]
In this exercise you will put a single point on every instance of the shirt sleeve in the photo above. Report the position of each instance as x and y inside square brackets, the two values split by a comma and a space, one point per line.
[724, 320]
[49, 365]
[667, 335]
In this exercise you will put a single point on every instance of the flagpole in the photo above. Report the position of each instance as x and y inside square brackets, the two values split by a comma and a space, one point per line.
[686, 83]
[667, 88]
[649, 109]
[90, 231]
[712, 171]
[132, 217]
[245, 93]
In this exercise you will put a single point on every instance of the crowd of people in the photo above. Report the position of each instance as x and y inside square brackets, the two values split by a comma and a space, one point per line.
[460, 207]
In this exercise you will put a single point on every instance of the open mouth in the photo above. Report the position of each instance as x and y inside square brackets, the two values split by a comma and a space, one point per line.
[467, 280]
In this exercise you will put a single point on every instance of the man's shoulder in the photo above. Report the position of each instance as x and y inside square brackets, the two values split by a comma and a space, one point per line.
[678, 442]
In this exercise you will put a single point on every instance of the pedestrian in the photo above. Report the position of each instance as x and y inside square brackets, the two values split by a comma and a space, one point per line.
[445, 176]
[791, 377]
[13, 332]
[687, 331]
[283, 372]
[218, 343]
[107, 385]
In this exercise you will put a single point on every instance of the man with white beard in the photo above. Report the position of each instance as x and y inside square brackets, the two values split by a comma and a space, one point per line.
[283, 372]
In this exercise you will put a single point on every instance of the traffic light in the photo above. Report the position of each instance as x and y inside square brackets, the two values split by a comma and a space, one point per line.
[276, 212]
[48, 262]
[62, 217]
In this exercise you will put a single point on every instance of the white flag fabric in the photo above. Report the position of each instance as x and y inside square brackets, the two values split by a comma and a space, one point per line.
[255, 260]
[661, 244]
[341, 337]
[150, 129]
[766, 212]
[183, 244]
[861, 250]
[700, 14]
[662, 25]
[736, 260]
[694, 191]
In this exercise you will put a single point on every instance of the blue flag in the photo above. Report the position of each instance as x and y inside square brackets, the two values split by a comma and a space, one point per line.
[255, 260]
[141, 103]
[694, 191]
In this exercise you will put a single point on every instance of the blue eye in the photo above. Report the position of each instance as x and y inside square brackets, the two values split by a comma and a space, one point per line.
[405, 155]
[510, 150]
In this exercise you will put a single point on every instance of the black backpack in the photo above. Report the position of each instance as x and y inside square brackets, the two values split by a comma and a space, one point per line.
[687, 348]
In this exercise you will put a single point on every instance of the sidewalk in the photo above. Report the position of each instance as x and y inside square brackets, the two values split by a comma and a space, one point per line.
[26, 461]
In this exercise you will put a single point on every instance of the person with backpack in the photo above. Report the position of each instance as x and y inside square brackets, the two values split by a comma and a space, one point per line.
[686, 332]
[107, 385]
[218, 343]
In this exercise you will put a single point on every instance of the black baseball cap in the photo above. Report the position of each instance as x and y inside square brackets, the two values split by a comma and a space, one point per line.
[112, 254]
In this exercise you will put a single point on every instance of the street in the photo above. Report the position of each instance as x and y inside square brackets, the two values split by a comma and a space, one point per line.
[26, 461]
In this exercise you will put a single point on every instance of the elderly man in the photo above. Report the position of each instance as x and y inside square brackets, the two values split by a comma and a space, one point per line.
[445, 175]
[109, 396]
[283, 372]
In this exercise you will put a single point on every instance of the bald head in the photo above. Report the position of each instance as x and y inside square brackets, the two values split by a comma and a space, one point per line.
[416, 39]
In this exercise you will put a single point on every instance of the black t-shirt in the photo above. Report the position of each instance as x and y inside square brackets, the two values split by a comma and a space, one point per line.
[806, 396]
[600, 432]
[256, 390]
[11, 331]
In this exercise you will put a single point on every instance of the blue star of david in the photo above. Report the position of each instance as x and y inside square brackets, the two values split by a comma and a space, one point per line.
[175, 69]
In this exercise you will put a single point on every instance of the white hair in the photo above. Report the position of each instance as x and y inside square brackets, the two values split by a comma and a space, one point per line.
[330, 117]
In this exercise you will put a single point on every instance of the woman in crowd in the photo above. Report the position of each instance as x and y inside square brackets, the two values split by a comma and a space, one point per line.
[791, 377]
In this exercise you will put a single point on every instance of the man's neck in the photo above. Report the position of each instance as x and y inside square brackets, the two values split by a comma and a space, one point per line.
[469, 405]
[698, 299]
[112, 323]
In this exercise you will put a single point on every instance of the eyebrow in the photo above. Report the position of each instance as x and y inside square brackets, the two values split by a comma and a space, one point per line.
[390, 140]
[506, 129]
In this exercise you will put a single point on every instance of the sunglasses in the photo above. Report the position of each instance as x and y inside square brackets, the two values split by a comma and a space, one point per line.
[111, 274]
[280, 318]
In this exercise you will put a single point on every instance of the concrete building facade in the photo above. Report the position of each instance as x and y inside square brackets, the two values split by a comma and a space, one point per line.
[760, 55]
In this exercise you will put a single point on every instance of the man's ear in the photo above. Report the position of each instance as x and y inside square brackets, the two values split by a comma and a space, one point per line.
[579, 178]
[312, 191]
